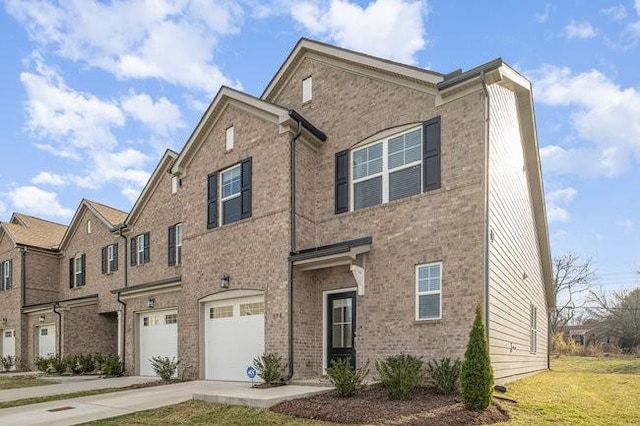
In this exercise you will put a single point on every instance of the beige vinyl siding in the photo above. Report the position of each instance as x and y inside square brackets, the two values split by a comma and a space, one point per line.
[513, 248]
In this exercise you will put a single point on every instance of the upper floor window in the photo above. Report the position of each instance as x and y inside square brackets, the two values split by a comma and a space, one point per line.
[231, 197]
[139, 249]
[110, 258]
[77, 271]
[229, 139]
[175, 245]
[307, 89]
[388, 169]
[6, 274]
[429, 291]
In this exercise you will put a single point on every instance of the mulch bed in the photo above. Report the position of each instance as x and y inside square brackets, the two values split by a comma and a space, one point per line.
[373, 407]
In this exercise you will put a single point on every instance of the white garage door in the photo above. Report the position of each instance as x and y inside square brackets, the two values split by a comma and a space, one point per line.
[158, 337]
[9, 344]
[234, 336]
[46, 340]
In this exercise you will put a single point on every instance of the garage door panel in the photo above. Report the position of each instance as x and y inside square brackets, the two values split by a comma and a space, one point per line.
[234, 337]
[158, 337]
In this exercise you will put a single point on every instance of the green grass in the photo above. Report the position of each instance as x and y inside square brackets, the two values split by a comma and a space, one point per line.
[203, 413]
[579, 390]
[22, 382]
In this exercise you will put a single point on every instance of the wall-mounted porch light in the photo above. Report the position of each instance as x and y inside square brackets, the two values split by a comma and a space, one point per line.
[4, 321]
[224, 281]
[41, 318]
[151, 302]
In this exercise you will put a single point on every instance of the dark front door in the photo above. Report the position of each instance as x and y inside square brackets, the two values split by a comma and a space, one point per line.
[341, 324]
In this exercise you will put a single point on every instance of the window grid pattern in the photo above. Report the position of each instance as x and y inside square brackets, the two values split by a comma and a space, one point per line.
[77, 272]
[247, 309]
[221, 312]
[429, 291]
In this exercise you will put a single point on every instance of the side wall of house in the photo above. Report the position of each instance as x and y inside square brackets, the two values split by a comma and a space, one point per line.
[515, 274]
[10, 300]
[42, 276]
[85, 331]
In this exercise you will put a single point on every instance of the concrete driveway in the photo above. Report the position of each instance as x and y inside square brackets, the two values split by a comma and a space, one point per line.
[84, 409]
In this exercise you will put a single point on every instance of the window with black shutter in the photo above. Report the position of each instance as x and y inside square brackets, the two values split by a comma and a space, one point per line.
[342, 182]
[77, 271]
[431, 163]
[171, 246]
[133, 252]
[212, 200]
[6, 274]
[235, 190]
[110, 258]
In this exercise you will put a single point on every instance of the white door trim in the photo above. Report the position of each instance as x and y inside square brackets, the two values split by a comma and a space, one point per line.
[325, 319]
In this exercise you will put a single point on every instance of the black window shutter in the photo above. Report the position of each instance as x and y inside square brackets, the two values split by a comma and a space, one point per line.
[342, 182]
[105, 259]
[431, 150]
[10, 277]
[134, 251]
[115, 257]
[71, 272]
[171, 246]
[245, 188]
[212, 200]
[146, 248]
[2, 287]
[83, 277]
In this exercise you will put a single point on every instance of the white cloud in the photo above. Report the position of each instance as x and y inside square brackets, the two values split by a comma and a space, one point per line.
[162, 116]
[603, 116]
[3, 208]
[582, 30]
[627, 224]
[392, 29]
[33, 200]
[616, 13]
[557, 202]
[543, 16]
[171, 41]
[46, 178]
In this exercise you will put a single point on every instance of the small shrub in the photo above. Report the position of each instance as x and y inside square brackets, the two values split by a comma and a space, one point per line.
[43, 363]
[7, 362]
[476, 377]
[87, 363]
[445, 375]
[401, 374]
[73, 364]
[58, 365]
[111, 366]
[347, 380]
[164, 367]
[269, 367]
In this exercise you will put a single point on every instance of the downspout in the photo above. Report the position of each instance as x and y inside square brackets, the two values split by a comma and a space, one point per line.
[124, 305]
[292, 170]
[486, 204]
[54, 306]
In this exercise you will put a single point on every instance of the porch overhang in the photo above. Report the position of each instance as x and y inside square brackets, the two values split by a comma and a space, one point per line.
[168, 285]
[338, 254]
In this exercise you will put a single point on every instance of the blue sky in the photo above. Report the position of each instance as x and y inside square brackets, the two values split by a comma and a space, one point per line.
[94, 92]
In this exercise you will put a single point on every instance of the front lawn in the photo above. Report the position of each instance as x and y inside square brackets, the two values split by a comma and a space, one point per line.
[22, 382]
[203, 413]
[579, 390]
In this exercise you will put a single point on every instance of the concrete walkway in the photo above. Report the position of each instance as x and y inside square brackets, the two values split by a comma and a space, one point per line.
[84, 409]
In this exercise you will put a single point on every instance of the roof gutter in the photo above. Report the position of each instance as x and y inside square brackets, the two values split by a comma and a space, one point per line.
[123, 317]
[53, 307]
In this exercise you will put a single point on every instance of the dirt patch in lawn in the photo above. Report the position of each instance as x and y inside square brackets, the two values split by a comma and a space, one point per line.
[373, 407]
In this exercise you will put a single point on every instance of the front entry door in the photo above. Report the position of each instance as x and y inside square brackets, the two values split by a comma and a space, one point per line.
[341, 326]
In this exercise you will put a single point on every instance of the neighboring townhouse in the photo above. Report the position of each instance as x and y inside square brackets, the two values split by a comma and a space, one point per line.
[82, 315]
[152, 294]
[417, 196]
[29, 269]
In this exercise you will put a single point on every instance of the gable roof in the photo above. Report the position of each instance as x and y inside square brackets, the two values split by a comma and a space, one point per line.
[283, 117]
[164, 166]
[34, 232]
[306, 47]
[109, 216]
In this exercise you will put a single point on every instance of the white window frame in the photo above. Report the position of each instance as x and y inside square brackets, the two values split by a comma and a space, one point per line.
[110, 257]
[140, 249]
[77, 271]
[230, 197]
[427, 293]
[385, 166]
[6, 273]
[176, 183]
[229, 138]
[88, 226]
[533, 326]
[307, 89]
[179, 244]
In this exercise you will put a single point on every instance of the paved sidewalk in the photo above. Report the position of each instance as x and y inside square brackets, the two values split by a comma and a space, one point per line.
[87, 383]
[84, 409]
